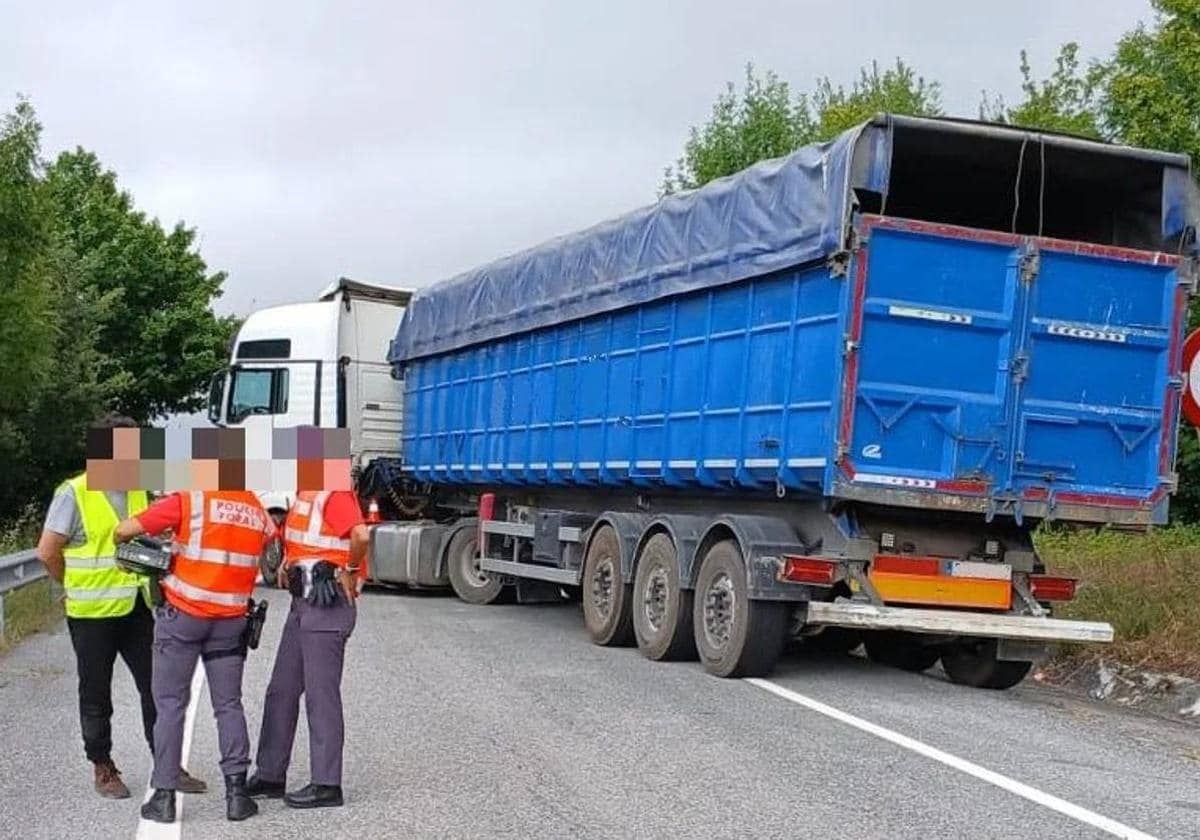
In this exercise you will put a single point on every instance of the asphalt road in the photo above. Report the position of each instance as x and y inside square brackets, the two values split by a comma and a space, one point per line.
[505, 721]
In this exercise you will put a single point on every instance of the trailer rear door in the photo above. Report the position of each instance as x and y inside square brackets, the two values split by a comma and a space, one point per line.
[1008, 372]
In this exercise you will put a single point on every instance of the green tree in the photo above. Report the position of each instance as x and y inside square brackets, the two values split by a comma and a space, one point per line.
[49, 373]
[763, 120]
[159, 337]
[1067, 101]
[1152, 95]
[1151, 98]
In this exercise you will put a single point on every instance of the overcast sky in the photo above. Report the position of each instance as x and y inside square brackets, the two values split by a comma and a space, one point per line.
[401, 142]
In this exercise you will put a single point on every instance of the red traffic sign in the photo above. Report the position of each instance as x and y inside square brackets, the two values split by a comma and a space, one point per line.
[1191, 378]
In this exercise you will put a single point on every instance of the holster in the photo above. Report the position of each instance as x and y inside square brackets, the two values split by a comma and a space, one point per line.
[256, 617]
[295, 581]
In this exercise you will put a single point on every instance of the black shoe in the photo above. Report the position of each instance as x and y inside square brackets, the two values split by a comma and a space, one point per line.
[238, 804]
[256, 785]
[160, 807]
[315, 796]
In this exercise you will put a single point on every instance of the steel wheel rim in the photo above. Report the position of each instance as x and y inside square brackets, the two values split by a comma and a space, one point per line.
[719, 611]
[601, 587]
[654, 598]
[474, 572]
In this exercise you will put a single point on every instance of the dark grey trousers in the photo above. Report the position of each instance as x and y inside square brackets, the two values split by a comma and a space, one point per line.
[180, 640]
[309, 662]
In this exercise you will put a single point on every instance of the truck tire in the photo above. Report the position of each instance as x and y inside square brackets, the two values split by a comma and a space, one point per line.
[975, 664]
[469, 582]
[735, 636]
[606, 597]
[662, 609]
[900, 650]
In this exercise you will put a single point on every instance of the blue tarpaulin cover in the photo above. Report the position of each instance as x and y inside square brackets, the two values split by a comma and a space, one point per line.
[774, 215]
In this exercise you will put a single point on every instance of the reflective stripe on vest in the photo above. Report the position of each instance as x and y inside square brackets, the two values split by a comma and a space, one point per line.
[94, 585]
[116, 592]
[89, 562]
[216, 553]
[208, 596]
[311, 538]
[315, 540]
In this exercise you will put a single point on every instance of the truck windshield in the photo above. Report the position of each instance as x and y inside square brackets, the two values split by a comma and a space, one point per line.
[257, 391]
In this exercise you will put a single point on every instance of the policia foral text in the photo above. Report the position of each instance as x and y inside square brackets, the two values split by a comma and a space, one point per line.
[219, 537]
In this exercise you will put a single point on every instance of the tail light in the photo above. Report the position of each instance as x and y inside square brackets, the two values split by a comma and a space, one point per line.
[487, 512]
[1047, 588]
[812, 570]
[906, 564]
[487, 507]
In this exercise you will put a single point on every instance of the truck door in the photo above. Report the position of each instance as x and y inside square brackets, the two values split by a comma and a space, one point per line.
[1095, 412]
[931, 339]
[1008, 366]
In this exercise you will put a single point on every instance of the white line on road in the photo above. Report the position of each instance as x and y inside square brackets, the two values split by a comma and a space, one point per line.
[1011, 785]
[148, 829]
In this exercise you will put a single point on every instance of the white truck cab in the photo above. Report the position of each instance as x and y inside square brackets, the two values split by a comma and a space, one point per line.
[322, 363]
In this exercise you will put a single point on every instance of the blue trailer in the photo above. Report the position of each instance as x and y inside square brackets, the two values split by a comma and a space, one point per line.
[829, 396]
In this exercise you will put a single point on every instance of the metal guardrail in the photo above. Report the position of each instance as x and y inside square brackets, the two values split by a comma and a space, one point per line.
[17, 570]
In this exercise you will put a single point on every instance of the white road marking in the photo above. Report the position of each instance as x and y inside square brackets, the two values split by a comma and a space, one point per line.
[1068, 809]
[148, 829]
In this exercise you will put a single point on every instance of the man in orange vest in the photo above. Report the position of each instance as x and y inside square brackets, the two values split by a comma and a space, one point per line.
[218, 538]
[324, 565]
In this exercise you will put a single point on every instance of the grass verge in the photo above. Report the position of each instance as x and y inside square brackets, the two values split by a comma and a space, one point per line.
[29, 609]
[1146, 585]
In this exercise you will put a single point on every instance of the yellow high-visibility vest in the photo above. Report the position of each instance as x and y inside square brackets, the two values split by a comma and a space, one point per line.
[95, 586]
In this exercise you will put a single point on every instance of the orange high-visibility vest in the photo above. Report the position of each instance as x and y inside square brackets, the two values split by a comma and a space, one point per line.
[308, 539]
[217, 547]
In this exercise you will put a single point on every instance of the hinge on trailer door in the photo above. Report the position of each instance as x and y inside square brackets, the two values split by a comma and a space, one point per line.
[839, 264]
[1189, 275]
[1030, 264]
[1019, 368]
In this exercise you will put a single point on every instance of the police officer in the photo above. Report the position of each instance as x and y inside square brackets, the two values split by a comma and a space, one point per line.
[107, 613]
[324, 564]
[219, 537]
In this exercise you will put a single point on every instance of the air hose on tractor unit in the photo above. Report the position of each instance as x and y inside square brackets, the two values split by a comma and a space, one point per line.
[383, 477]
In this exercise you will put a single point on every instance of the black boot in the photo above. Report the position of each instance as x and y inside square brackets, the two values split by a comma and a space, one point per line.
[238, 804]
[160, 807]
[256, 785]
[314, 796]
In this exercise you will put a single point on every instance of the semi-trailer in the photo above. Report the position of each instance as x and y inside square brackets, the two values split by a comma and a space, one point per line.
[831, 397]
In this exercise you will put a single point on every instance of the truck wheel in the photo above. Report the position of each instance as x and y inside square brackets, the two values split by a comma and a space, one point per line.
[735, 636]
[975, 664]
[662, 610]
[900, 650]
[469, 582]
[606, 597]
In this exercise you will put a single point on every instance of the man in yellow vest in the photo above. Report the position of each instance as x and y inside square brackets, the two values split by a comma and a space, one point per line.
[107, 612]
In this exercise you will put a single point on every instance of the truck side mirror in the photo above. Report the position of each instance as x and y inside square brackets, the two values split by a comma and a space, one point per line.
[216, 397]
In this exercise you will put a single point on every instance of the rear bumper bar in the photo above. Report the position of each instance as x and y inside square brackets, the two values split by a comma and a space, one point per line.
[956, 623]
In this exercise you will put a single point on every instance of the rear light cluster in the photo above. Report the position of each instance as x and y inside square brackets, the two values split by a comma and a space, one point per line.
[814, 570]
[1047, 588]
[905, 564]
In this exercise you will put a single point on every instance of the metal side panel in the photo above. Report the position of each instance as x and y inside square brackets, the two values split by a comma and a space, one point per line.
[956, 623]
[567, 577]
